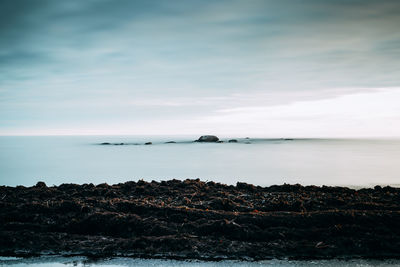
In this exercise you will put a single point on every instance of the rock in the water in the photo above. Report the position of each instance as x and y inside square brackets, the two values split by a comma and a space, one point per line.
[233, 141]
[148, 143]
[170, 142]
[105, 144]
[208, 138]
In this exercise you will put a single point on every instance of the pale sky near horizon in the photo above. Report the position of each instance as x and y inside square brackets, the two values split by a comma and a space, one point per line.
[236, 68]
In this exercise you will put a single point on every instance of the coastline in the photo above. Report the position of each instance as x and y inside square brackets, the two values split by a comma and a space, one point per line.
[192, 219]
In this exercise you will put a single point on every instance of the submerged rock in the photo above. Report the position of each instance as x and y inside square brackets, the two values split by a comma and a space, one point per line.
[208, 138]
[233, 141]
[105, 143]
[170, 142]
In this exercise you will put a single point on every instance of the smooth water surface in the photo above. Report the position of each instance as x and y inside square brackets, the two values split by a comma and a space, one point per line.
[79, 159]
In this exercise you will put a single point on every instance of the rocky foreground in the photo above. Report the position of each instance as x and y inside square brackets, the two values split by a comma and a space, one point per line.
[203, 220]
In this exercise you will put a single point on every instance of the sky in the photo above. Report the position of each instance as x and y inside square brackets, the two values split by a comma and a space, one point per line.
[299, 68]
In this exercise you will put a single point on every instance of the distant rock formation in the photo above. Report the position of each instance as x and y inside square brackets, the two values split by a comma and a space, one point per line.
[208, 139]
[233, 141]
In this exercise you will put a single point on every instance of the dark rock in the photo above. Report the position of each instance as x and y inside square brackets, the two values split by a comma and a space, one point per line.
[105, 144]
[119, 144]
[202, 220]
[170, 142]
[148, 143]
[40, 184]
[378, 187]
[220, 141]
[245, 186]
[103, 185]
[208, 138]
[233, 141]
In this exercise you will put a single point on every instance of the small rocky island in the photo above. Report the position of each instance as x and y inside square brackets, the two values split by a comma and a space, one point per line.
[207, 139]
[200, 220]
[201, 139]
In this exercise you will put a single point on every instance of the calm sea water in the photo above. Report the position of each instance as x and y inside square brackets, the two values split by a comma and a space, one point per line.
[78, 159]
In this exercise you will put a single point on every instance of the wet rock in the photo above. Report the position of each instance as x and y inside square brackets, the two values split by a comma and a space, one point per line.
[170, 142]
[105, 143]
[378, 188]
[208, 138]
[222, 204]
[103, 185]
[148, 143]
[196, 219]
[41, 184]
[232, 141]
[245, 186]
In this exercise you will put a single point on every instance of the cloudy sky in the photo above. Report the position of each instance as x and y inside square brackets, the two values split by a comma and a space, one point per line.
[253, 68]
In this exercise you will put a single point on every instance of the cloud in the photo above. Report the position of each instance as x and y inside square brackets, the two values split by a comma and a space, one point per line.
[353, 115]
[154, 59]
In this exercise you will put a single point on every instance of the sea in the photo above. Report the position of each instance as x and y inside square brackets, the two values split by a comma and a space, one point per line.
[25, 160]
[356, 163]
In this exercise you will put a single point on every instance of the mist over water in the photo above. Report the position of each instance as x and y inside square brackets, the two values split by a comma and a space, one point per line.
[79, 159]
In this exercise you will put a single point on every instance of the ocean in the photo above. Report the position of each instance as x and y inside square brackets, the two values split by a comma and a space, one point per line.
[25, 160]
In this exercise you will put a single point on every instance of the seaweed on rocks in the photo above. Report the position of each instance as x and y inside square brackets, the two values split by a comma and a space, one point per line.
[203, 220]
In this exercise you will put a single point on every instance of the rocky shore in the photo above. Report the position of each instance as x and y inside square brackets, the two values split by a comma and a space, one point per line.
[201, 220]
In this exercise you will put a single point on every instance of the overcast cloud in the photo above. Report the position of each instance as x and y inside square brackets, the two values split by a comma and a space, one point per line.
[137, 67]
